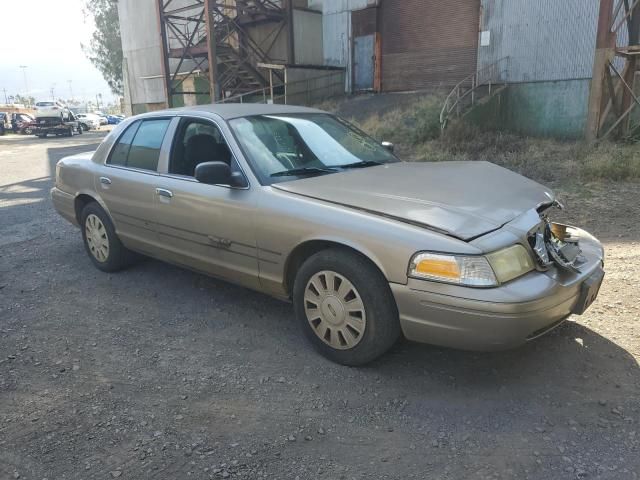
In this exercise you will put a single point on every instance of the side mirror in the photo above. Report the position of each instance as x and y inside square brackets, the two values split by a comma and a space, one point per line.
[219, 173]
[388, 145]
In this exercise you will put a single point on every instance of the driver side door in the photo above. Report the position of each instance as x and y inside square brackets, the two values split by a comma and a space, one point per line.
[209, 228]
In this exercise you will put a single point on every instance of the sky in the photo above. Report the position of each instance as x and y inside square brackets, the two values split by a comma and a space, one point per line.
[45, 35]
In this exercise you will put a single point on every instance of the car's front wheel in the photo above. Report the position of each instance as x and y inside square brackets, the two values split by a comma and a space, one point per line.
[105, 249]
[345, 307]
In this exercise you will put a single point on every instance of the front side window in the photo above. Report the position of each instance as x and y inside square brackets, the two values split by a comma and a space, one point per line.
[306, 143]
[139, 146]
[197, 141]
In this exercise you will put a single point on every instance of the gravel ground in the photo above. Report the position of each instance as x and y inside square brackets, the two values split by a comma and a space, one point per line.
[157, 372]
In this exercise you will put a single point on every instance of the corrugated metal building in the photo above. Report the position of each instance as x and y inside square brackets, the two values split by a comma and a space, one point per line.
[550, 48]
[142, 69]
[399, 45]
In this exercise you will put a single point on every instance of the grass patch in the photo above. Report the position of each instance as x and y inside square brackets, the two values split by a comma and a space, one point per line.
[407, 126]
[611, 162]
[415, 130]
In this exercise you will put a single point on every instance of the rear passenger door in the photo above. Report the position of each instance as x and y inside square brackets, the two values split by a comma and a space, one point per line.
[128, 180]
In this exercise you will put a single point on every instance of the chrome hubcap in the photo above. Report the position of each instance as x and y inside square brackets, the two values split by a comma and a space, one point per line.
[334, 310]
[97, 239]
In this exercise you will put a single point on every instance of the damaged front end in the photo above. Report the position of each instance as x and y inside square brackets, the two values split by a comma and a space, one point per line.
[553, 243]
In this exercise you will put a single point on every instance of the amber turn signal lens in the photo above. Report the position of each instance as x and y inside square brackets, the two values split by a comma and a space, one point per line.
[439, 268]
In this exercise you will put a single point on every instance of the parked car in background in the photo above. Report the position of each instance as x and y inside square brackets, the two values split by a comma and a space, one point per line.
[52, 109]
[22, 123]
[296, 203]
[89, 121]
[5, 123]
[103, 118]
[114, 119]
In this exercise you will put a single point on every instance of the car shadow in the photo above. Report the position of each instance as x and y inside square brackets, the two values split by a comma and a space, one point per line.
[572, 358]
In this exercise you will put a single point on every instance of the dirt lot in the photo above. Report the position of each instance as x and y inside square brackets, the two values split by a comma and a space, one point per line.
[157, 372]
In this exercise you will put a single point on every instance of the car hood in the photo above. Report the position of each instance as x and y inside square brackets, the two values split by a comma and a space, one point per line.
[461, 199]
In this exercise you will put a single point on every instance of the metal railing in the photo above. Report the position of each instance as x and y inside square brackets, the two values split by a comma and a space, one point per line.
[468, 91]
[300, 92]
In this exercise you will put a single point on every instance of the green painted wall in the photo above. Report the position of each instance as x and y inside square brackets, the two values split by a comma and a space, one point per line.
[202, 85]
[555, 109]
[546, 109]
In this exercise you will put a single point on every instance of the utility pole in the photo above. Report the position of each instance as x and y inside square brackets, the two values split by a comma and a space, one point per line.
[26, 84]
[70, 88]
[6, 100]
[53, 92]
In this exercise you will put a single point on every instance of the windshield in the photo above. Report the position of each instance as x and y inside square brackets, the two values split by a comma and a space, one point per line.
[305, 144]
[44, 104]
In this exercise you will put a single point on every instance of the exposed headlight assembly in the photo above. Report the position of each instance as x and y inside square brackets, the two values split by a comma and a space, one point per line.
[472, 270]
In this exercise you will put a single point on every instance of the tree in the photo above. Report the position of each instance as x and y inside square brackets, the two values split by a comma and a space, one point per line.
[25, 99]
[105, 48]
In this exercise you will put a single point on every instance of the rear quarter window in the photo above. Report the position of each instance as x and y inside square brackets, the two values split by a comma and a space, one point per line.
[121, 149]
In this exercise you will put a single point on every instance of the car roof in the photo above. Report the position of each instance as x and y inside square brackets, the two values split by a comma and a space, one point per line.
[235, 110]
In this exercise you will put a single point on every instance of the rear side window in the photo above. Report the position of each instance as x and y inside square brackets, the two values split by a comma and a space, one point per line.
[139, 146]
[145, 149]
[120, 152]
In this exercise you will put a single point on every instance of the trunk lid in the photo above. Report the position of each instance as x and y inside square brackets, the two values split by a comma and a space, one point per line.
[462, 199]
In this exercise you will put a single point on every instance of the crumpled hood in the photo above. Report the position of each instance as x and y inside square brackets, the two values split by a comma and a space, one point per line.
[461, 199]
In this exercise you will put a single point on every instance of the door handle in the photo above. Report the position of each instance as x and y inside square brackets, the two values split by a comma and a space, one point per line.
[105, 181]
[163, 192]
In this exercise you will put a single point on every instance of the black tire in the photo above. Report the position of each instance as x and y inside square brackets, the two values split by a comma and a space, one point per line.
[382, 328]
[42, 135]
[80, 129]
[118, 256]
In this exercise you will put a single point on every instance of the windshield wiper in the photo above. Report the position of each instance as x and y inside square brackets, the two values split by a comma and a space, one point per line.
[295, 172]
[362, 164]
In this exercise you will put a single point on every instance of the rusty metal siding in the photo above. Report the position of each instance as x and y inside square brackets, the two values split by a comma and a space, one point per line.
[364, 22]
[544, 39]
[427, 43]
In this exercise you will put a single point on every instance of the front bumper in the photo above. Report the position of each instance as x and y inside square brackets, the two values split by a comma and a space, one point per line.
[494, 318]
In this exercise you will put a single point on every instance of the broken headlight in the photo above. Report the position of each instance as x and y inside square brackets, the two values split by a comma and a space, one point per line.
[553, 244]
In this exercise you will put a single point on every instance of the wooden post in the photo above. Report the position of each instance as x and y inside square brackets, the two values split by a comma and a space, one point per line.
[605, 51]
[164, 61]
[633, 23]
[291, 48]
[214, 88]
[271, 84]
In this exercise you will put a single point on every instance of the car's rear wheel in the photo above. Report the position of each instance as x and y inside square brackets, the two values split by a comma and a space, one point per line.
[105, 249]
[345, 307]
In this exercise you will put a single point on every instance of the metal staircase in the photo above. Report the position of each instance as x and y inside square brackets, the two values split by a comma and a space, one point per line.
[187, 48]
[474, 90]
